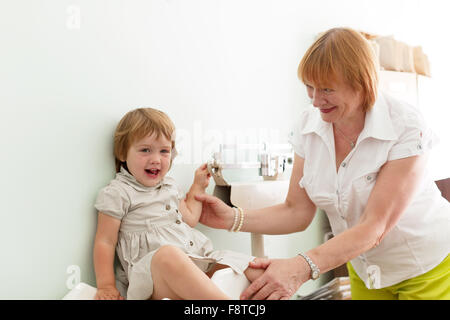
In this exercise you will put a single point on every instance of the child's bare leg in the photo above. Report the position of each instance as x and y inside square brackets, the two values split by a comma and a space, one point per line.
[176, 277]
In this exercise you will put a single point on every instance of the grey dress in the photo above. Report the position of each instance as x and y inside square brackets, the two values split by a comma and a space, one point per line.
[150, 219]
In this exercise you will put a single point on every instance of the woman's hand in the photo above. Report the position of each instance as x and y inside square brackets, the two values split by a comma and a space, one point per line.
[109, 293]
[215, 213]
[280, 281]
[201, 177]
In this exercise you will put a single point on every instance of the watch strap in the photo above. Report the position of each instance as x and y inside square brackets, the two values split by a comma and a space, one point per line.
[315, 271]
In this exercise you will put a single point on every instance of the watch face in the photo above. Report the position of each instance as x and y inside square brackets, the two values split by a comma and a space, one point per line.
[315, 275]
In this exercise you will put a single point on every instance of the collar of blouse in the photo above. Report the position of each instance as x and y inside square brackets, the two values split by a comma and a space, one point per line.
[378, 123]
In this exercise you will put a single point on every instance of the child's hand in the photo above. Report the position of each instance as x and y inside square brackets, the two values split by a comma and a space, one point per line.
[201, 178]
[109, 293]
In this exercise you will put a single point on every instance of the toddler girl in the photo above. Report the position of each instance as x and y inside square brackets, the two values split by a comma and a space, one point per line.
[144, 219]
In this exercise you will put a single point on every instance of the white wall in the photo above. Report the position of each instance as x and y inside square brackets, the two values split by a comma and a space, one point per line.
[221, 69]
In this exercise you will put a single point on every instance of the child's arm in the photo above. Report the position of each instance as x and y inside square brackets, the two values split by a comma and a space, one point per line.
[104, 249]
[190, 208]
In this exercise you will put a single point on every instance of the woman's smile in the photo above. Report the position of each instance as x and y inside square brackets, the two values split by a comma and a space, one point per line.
[324, 110]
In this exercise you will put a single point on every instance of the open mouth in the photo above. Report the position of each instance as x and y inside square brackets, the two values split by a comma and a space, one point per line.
[152, 172]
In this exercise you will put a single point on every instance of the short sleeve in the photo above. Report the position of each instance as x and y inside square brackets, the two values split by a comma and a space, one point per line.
[415, 139]
[295, 137]
[113, 201]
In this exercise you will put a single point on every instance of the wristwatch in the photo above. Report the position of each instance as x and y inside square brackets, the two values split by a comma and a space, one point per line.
[315, 271]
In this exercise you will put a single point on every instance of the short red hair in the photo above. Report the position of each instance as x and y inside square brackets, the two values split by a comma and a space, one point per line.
[342, 53]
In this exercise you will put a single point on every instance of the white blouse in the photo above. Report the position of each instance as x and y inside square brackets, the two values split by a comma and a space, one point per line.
[393, 130]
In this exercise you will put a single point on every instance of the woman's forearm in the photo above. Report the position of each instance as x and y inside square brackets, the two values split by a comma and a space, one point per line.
[344, 247]
[282, 218]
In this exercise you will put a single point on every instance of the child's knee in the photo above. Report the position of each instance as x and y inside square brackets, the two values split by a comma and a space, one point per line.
[167, 256]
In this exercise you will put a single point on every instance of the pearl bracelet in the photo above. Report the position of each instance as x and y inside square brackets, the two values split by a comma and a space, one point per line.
[236, 212]
[241, 222]
[238, 216]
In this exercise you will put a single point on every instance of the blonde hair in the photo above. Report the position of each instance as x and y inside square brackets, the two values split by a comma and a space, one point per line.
[138, 124]
[342, 53]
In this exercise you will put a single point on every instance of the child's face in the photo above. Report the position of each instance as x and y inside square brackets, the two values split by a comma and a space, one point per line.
[148, 159]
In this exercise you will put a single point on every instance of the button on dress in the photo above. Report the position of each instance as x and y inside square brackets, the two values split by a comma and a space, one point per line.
[150, 219]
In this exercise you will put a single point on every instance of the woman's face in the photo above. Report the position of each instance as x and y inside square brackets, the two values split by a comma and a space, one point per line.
[337, 102]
